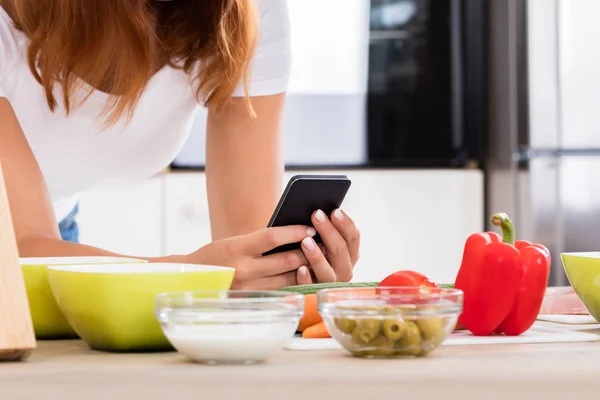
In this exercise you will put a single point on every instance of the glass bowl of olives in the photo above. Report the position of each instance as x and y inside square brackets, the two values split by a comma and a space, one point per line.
[390, 322]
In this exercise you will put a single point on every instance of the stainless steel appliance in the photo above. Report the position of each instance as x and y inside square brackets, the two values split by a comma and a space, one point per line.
[544, 156]
[427, 74]
[390, 83]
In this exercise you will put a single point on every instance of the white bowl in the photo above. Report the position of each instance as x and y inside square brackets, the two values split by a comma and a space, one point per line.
[229, 327]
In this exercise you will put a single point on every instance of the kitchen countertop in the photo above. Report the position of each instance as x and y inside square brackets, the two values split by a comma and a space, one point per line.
[69, 370]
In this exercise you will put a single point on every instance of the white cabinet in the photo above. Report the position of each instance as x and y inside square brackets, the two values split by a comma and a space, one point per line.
[408, 219]
[186, 213]
[125, 219]
[414, 220]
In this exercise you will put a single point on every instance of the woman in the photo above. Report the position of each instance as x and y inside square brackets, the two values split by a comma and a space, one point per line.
[96, 91]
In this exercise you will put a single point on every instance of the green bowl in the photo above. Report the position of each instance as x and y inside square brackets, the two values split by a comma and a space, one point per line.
[48, 320]
[112, 307]
[583, 271]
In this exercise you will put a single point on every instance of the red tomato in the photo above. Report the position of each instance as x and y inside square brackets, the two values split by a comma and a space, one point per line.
[422, 284]
[408, 278]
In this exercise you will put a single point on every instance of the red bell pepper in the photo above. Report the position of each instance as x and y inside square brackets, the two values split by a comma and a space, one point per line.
[532, 288]
[503, 282]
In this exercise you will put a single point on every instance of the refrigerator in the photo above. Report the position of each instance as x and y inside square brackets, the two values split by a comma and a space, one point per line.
[543, 152]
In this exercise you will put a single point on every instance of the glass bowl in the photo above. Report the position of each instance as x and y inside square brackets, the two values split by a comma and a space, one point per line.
[390, 322]
[229, 327]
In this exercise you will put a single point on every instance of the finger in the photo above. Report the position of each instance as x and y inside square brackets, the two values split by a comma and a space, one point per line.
[347, 228]
[261, 241]
[337, 249]
[303, 276]
[275, 264]
[323, 249]
[318, 263]
[274, 282]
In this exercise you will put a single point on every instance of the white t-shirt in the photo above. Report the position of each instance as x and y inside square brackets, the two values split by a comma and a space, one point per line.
[75, 155]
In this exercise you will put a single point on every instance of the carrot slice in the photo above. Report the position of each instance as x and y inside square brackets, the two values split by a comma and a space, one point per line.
[311, 313]
[318, 331]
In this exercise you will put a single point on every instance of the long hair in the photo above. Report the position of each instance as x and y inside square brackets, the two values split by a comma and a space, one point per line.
[117, 45]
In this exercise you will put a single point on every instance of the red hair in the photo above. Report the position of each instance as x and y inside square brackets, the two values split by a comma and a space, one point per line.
[117, 45]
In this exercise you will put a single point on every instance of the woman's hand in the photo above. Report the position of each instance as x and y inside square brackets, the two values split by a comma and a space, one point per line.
[252, 270]
[341, 241]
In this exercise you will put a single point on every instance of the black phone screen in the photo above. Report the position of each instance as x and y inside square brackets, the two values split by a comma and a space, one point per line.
[305, 194]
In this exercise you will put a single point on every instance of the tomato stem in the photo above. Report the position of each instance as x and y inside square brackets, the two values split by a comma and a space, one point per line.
[508, 229]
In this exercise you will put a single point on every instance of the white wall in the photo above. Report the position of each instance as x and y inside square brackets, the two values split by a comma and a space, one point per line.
[408, 219]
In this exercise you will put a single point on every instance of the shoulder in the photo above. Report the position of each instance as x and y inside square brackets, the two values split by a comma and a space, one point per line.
[11, 43]
[271, 65]
[274, 18]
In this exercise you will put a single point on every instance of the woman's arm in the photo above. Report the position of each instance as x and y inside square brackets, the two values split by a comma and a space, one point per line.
[244, 165]
[33, 217]
[38, 235]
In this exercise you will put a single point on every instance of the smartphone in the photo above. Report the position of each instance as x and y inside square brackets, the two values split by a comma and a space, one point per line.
[305, 194]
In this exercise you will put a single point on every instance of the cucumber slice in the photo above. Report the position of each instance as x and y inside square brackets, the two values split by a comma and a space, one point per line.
[446, 285]
[314, 288]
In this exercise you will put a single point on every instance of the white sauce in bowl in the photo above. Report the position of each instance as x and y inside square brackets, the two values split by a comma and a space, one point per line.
[229, 336]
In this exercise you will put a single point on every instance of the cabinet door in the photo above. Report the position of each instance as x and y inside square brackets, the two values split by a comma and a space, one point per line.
[187, 222]
[124, 219]
[412, 219]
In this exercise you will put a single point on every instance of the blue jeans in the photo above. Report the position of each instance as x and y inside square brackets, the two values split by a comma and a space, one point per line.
[69, 230]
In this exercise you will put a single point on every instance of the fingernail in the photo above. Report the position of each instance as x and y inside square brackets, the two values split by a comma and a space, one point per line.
[309, 244]
[303, 271]
[320, 216]
[338, 214]
[311, 232]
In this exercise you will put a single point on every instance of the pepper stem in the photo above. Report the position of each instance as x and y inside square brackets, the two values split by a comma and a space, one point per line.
[508, 229]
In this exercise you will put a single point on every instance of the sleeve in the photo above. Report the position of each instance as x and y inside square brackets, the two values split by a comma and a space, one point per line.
[2, 50]
[8, 47]
[271, 66]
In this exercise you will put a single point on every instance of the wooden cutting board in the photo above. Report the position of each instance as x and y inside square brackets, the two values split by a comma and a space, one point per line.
[537, 334]
[17, 337]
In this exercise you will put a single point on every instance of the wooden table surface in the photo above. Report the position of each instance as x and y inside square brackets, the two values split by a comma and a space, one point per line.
[69, 370]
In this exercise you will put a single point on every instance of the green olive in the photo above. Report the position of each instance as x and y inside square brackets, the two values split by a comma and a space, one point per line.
[433, 333]
[366, 330]
[345, 325]
[431, 327]
[382, 346]
[370, 324]
[410, 344]
[393, 329]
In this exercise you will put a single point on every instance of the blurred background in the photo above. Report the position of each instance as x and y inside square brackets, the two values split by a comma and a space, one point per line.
[441, 112]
